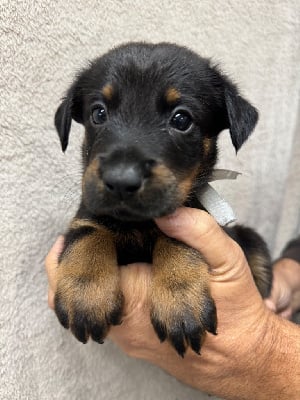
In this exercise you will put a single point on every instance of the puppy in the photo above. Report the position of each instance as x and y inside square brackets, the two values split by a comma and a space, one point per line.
[152, 114]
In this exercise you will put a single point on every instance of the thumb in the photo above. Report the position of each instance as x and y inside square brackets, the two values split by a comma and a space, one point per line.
[199, 230]
[231, 277]
[51, 261]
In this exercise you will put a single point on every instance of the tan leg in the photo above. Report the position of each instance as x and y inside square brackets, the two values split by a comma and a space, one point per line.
[88, 297]
[182, 309]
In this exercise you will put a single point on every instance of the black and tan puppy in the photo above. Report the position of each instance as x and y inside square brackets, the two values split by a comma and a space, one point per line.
[152, 115]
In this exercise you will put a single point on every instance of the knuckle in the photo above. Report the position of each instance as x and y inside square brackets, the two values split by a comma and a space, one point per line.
[237, 252]
[204, 227]
[204, 221]
[237, 261]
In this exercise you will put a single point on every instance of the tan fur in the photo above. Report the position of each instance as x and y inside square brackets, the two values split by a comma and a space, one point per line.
[92, 169]
[91, 176]
[79, 223]
[258, 264]
[88, 275]
[162, 172]
[207, 145]
[172, 95]
[180, 283]
[107, 92]
[186, 184]
[162, 175]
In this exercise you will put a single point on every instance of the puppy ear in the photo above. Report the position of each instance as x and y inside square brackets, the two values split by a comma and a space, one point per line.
[69, 108]
[241, 116]
[62, 120]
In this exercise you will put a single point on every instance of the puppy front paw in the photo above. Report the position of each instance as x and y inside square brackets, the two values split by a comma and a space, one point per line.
[87, 307]
[182, 317]
[88, 298]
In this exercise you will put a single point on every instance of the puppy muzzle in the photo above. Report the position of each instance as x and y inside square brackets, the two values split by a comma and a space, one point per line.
[124, 179]
[129, 185]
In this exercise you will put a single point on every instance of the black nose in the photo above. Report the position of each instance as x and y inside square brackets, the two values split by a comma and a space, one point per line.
[123, 181]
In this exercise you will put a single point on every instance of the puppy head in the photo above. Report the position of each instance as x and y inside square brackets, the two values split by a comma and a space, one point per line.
[152, 114]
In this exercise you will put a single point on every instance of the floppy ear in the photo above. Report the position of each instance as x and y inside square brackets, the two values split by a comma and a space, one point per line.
[62, 120]
[241, 116]
[70, 107]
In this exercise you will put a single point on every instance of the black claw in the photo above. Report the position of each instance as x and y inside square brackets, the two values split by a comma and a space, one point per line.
[61, 312]
[96, 331]
[177, 340]
[78, 328]
[195, 343]
[193, 333]
[115, 317]
[209, 318]
[159, 328]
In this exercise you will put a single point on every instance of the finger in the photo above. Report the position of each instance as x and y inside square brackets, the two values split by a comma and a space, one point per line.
[199, 230]
[280, 294]
[286, 314]
[226, 260]
[51, 261]
[270, 304]
[135, 283]
[50, 298]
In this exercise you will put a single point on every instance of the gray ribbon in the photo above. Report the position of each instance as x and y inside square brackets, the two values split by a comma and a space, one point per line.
[213, 202]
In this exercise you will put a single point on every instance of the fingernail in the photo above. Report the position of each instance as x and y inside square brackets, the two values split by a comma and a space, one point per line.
[271, 306]
[58, 245]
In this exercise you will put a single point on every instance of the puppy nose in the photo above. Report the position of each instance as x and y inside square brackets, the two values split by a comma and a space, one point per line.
[123, 181]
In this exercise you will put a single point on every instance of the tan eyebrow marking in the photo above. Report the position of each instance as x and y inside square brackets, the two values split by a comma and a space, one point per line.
[108, 91]
[172, 95]
[207, 145]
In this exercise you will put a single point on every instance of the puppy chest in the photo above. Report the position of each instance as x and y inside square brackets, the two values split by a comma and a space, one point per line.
[135, 246]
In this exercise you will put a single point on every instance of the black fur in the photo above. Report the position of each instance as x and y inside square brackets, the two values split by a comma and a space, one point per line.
[138, 122]
[73, 235]
[215, 100]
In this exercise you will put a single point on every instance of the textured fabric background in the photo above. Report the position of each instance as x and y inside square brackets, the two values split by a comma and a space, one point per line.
[43, 43]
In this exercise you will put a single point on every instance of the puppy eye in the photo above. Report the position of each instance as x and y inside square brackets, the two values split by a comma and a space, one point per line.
[181, 120]
[99, 115]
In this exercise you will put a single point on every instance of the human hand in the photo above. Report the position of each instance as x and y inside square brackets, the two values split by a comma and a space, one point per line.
[285, 295]
[243, 319]
[244, 361]
[51, 264]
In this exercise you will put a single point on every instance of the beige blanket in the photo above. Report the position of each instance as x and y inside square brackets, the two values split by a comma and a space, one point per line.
[42, 44]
